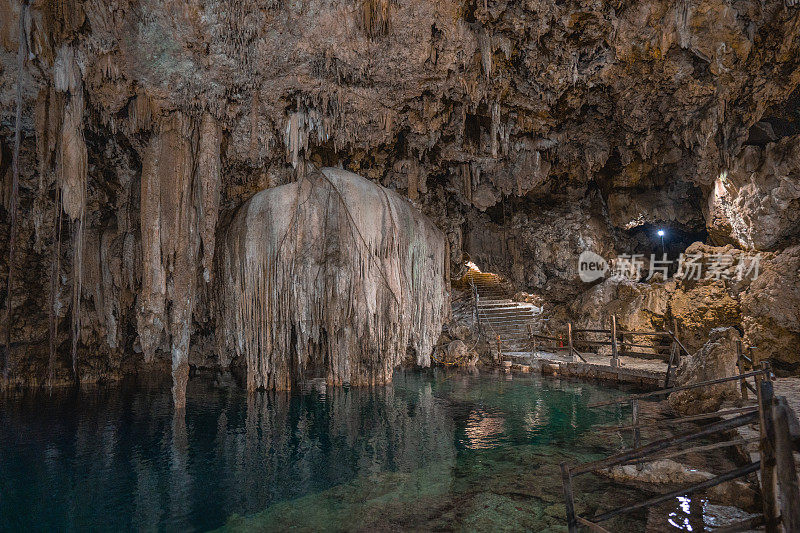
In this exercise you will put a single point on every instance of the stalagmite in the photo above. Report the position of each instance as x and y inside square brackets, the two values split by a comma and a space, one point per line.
[331, 277]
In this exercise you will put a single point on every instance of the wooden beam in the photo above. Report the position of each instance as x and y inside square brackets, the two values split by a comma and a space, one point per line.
[740, 368]
[676, 389]
[569, 502]
[702, 448]
[787, 470]
[624, 457]
[569, 336]
[769, 495]
[687, 419]
[597, 528]
[713, 482]
[614, 347]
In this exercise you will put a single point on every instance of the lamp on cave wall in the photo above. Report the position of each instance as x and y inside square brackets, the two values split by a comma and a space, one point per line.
[661, 233]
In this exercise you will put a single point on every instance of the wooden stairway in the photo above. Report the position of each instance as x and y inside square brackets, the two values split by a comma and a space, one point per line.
[500, 315]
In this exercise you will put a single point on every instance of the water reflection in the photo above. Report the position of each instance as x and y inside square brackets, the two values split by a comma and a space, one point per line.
[119, 458]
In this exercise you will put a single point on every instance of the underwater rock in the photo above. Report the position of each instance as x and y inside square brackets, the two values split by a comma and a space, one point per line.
[330, 277]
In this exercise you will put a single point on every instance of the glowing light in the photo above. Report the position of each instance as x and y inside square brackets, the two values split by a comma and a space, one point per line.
[661, 233]
[473, 266]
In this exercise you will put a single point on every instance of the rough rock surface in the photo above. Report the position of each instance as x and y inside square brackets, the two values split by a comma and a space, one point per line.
[756, 203]
[716, 359]
[527, 131]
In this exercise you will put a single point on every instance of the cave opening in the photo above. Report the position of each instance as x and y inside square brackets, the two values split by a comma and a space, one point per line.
[658, 240]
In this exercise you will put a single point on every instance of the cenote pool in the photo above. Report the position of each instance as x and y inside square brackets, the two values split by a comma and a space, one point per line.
[435, 450]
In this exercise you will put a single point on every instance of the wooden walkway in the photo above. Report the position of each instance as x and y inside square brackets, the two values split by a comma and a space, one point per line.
[778, 435]
[642, 357]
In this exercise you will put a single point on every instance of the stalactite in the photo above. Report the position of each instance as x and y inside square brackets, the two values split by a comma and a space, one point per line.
[495, 128]
[55, 272]
[209, 182]
[376, 17]
[77, 286]
[331, 277]
[683, 16]
[21, 56]
[485, 46]
[170, 243]
[73, 168]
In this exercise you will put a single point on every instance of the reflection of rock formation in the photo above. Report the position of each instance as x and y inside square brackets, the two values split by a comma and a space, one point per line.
[121, 456]
[333, 277]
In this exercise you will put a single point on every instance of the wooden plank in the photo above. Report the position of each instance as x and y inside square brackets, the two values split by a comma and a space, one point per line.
[787, 470]
[597, 528]
[769, 495]
[646, 333]
[592, 343]
[687, 419]
[676, 389]
[569, 502]
[702, 448]
[647, 355]
[614, 347]
[636, 433]
[739, 367]
[691, 489]
[659, 445]
[672, 350]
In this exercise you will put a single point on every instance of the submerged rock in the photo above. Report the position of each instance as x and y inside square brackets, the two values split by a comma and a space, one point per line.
[330, 277]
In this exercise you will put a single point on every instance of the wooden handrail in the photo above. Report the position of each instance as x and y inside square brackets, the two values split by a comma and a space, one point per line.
[658, 445]
[676, 389]
[713, 482]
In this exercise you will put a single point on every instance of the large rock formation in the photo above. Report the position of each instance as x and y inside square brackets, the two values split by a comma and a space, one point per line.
[716, 359]
[527, 131]
[330, 277]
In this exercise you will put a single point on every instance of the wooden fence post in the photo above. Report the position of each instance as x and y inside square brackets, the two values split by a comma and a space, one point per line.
[569, 337]
[675, 338]
[636, 433]
[614, 348]
[566, 481]
[499, 350]
[476, 307]
[787, 470]
[768, 478]
[533, 344]
[672, 348]
[739, 365]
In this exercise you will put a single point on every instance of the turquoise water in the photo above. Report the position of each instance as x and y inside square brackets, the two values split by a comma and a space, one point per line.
[434, 450]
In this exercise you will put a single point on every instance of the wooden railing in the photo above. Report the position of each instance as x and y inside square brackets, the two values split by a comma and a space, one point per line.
[621, 342]
[779, 437]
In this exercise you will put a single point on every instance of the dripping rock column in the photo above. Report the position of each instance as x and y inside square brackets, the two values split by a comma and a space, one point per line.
[330, 277]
